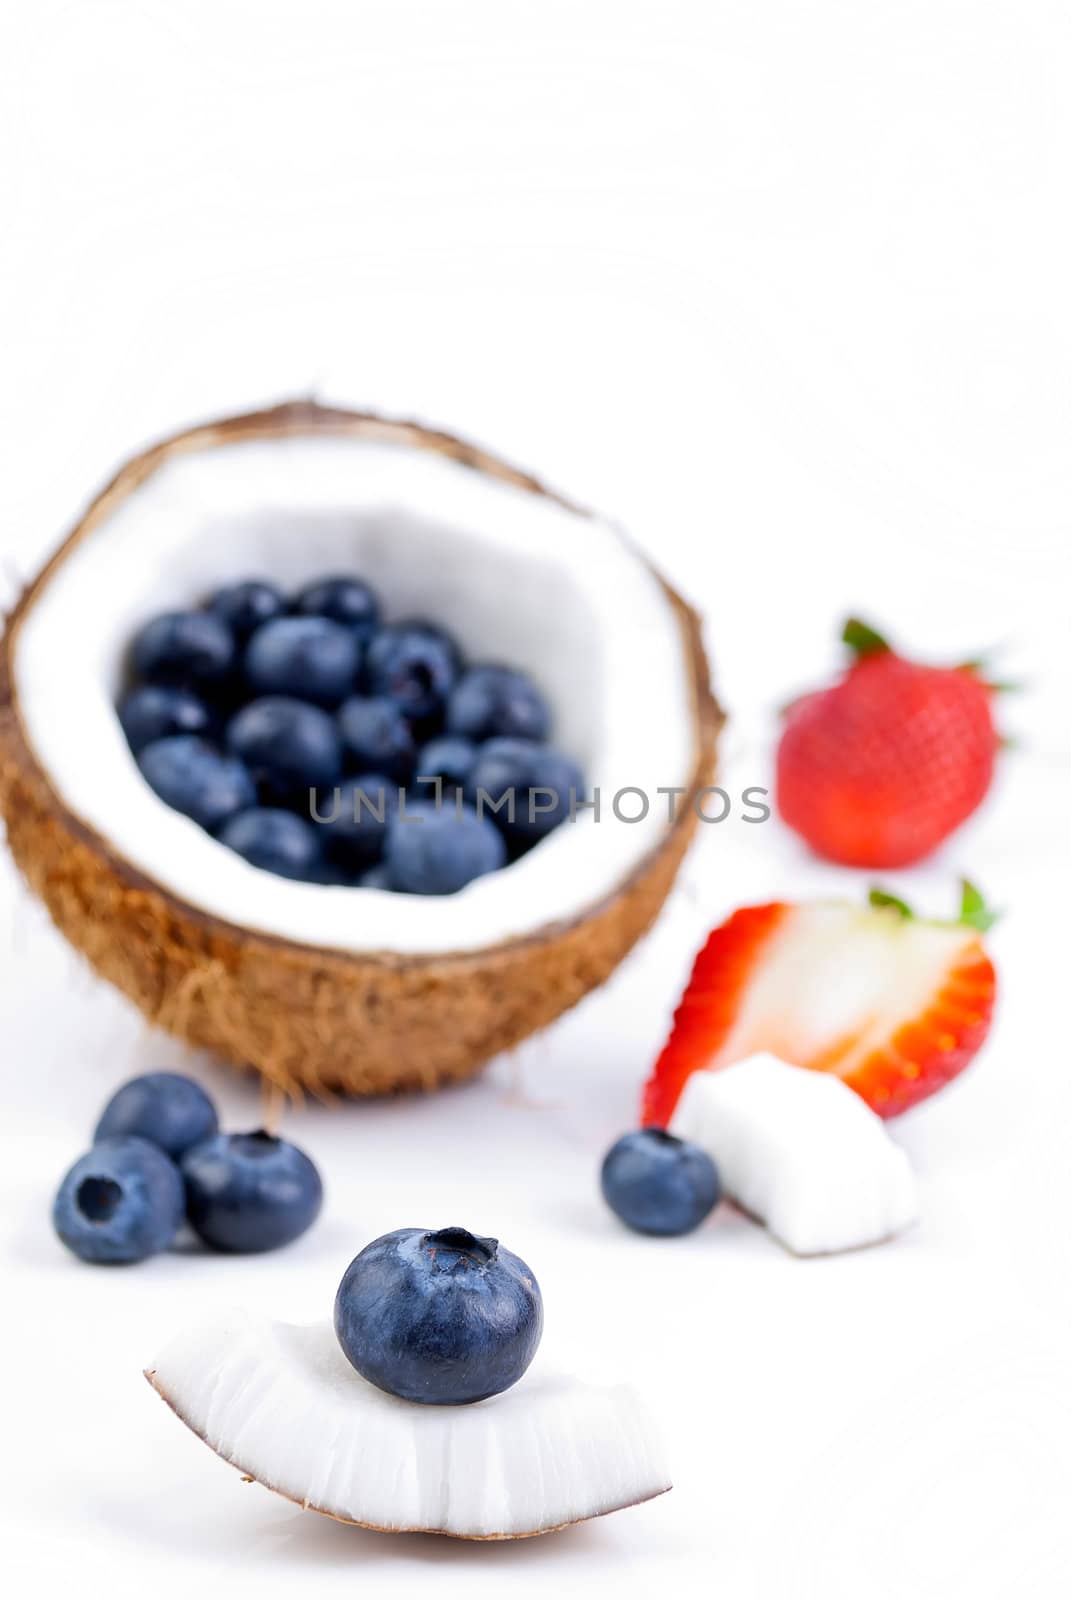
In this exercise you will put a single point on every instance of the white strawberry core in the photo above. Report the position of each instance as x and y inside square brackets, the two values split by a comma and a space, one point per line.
[836, 981]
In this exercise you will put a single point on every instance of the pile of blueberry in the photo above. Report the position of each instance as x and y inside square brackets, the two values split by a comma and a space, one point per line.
[324, 744]
[158, 1158]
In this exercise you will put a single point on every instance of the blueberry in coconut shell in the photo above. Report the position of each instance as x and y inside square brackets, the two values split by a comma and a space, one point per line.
[250, 1192]
[290, 746]
[184, 648]
[354, 819]
[191, 776]
[659, 1184]
[490, 701]
[121, 1202]
[153, 711]
[347, 600]
[415, 664]
[244, 607]
[444, 1318]
[166, 1108]
[444, 765]
[376, 737]
[309, 658]
[527, 787]
[433, 849]
[276, 841]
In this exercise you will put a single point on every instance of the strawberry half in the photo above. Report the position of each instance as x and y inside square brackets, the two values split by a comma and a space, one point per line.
[894, 1005]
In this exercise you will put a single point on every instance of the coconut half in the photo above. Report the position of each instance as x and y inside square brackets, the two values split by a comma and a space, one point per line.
[284, 1405]
[341, 988]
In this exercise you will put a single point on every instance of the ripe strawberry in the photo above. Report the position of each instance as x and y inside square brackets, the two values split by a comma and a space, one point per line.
[893, 1005]
[878, 770]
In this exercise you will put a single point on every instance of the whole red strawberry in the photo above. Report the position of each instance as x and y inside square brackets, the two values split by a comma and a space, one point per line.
[878, 770]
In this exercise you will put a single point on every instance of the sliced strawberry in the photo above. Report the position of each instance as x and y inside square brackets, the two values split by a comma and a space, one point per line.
[893, 1005]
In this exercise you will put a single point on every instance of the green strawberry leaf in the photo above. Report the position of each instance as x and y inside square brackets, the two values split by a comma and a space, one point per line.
[974, 912]
[881, 900]
[864, 640]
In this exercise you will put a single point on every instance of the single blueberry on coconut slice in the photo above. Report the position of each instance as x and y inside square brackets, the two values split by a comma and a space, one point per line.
[443, 1319]
[324, 985]
[284, 1406]
[800, 1151]
[166, 1108]
[120, 1202]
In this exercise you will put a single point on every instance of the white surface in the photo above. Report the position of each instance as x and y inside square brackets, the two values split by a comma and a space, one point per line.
[801, 1152]
[506, 570]
[787, 287]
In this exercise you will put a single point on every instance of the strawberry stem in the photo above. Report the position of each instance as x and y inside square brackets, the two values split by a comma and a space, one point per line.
[862, 639]
[880, 899]
[974, 912]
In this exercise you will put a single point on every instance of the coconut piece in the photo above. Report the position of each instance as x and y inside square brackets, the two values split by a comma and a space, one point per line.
[283, 1404]
[337, 988]
[800, 1151]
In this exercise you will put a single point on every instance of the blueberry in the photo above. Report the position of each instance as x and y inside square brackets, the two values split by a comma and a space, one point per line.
[276, 841]
[165, 1108]
[415, 664]
[490, 702]
[289, 746]
[438, 849]
[191, 776]
[448, 758]
[311, 658]
[527, 787]
[184, 648]
[376, 737]
[345, 600]
[155, 712]
[657, 1183]
[121, 1202]
[354, 818]
[443, 1318]
[244, 606]
[376, 877]
[247, 1192]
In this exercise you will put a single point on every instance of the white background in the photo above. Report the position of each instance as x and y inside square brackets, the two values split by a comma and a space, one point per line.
[787, 287]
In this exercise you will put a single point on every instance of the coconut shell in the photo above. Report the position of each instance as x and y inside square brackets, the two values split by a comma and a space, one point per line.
[308, 1018]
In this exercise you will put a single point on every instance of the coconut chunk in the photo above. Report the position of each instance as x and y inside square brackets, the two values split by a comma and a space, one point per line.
[800, 1151]
[282, 1403]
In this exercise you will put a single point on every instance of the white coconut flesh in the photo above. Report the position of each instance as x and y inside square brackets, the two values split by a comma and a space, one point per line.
[515, 576]
[283, 1404]
[800, 1151]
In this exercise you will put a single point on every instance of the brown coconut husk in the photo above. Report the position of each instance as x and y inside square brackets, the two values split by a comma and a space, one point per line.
[303, 1017]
